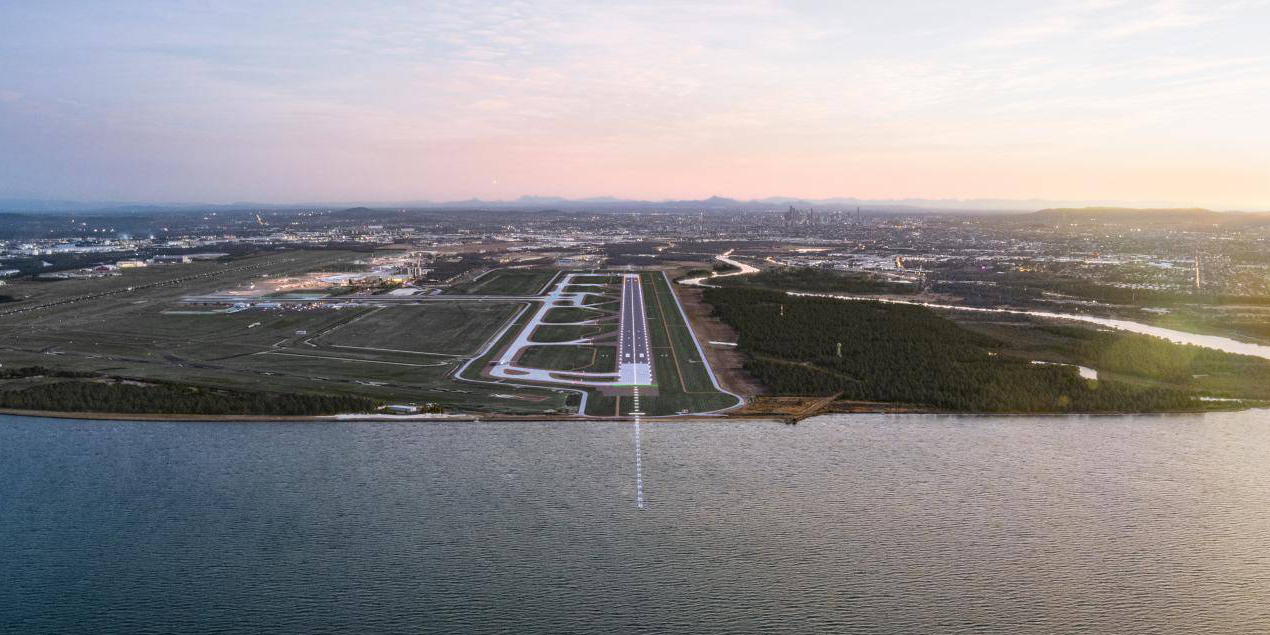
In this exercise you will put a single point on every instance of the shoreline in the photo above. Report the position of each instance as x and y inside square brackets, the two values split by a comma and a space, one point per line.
[476, 418]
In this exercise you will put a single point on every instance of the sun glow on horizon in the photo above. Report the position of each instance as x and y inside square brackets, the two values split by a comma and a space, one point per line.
[1162, 100]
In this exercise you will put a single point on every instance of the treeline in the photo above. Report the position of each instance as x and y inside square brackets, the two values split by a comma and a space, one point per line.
[1155, 297]
[907, 354]
[164, 398]
[694, 273]
[40, 371]
[986, 295]
[816, 280]
[1029, 286]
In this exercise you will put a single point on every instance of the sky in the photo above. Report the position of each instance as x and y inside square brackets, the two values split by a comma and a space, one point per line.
[286, 101]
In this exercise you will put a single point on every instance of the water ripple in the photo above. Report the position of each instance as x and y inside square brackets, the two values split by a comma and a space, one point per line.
[870, 524]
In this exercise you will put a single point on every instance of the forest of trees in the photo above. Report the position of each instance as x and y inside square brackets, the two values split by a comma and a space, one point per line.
[170, 398]
[908, 354]
[1155, 359]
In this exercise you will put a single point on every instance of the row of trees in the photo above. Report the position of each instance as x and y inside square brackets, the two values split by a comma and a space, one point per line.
[1021, 287]
[909, 354]
[817, 280]
[83, 396]
[40, 371]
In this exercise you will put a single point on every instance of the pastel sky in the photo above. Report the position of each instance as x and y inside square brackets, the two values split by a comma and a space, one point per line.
[288, 100]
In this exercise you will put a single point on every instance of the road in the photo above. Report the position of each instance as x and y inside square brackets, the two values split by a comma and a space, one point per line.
[742, 270]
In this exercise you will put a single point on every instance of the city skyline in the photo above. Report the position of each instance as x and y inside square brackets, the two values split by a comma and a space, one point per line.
[1089, 100]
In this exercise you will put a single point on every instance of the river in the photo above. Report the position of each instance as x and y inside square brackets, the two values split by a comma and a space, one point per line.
[846, 523]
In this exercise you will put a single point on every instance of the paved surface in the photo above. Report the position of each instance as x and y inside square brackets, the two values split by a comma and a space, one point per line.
[634, 361]
[505, 366]
[744, 270]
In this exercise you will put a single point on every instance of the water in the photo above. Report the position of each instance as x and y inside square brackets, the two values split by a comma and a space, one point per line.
[868, 523]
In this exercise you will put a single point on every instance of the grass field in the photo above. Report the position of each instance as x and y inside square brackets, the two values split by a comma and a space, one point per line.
[103, 312]
[518, 322]
[593, 359]
[251, 328]
[567, 333]
[324, 366]
[135, 326]
[587, 288]
[683, 382]
[508, 282]
[442, 328]
[100, 326]
[601, 301]
[563, 401]
[597, 279]
[573, 314]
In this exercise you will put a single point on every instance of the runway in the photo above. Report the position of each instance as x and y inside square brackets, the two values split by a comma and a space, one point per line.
[634, 361]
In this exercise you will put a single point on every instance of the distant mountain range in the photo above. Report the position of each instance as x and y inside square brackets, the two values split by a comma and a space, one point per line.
[599, 204]
[1145, 217]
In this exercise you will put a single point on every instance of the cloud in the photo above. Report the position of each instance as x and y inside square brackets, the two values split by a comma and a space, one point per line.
[1169, 14]
[619, 95]
[1026, 33]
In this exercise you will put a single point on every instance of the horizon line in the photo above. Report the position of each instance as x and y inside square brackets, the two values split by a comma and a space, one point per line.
[48, 204]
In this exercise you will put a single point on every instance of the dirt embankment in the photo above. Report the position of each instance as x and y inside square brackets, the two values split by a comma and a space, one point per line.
[797, 408]
[727, 362]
